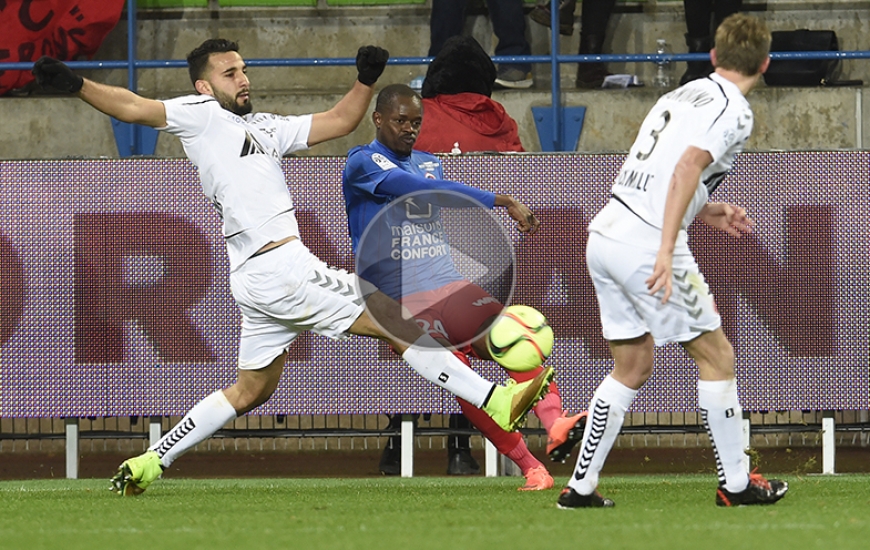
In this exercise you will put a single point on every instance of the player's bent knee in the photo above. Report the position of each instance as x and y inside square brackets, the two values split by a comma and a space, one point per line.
[714, 346]
[255, 387]
[714, 355]
[246, 399]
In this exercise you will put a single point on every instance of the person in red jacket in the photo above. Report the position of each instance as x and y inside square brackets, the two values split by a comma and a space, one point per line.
[460, 114]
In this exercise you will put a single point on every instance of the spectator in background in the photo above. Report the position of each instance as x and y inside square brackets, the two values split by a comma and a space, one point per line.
[702, 19]
[461, 115]
[508, 24]
[594, 16]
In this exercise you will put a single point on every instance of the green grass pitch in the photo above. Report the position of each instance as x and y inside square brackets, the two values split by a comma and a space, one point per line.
[652, 512]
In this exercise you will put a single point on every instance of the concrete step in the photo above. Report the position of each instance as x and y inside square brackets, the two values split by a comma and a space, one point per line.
[785, 119]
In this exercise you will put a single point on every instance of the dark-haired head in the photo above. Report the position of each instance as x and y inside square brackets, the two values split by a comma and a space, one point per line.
[398, 116]
[462, 66]
[217, 69]
[197, 60]
[389, 94]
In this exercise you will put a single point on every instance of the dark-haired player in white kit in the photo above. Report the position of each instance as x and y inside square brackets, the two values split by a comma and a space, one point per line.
[281, 288]
[647, 282]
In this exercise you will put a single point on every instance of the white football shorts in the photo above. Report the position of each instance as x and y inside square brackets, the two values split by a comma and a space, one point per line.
[287, 291]
[619, 272]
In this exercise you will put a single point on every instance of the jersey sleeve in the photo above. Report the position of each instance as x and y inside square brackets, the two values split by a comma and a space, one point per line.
[293, 132]
[188, 116]
[441, 192]
[363, 173]
[732, 126]
[376, 175]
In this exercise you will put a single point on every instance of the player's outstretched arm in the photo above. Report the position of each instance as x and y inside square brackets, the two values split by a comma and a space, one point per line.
[526, 220]
[350, 110]
[120, 103]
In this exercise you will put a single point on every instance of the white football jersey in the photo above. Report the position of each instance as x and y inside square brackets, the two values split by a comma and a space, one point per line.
[708, 113]
[239, 162]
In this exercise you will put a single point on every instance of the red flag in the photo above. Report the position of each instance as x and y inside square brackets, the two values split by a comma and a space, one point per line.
[64, 29]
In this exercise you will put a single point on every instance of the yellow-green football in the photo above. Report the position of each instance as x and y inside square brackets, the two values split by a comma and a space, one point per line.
[520, 338]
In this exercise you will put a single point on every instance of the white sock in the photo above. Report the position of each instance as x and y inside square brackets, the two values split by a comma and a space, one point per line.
[606, 415]
[723, 417]
[438, 365]
[200, 422]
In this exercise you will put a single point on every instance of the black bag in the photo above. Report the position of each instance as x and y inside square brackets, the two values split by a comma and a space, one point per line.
[803, 72]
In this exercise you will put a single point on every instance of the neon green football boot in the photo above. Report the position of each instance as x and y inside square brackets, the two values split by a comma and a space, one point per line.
[135, 474]
[508, 405]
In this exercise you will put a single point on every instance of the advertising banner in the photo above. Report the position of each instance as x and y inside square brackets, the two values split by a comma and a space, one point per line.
[116, 300]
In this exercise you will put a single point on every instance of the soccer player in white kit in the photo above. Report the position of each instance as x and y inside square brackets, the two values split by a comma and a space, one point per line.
[281, 288]
[647, 282]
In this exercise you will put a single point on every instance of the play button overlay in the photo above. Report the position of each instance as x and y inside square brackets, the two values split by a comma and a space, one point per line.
[424, 241]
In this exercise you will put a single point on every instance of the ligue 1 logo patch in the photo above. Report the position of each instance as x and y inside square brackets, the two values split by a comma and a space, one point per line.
[383, 162]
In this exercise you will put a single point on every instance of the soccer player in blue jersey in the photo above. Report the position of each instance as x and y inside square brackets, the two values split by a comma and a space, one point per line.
[377, 179]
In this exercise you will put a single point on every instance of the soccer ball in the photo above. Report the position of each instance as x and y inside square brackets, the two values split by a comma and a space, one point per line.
[520, 338]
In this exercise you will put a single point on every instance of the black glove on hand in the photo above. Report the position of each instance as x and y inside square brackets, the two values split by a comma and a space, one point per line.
[370, 62]
[51, 72]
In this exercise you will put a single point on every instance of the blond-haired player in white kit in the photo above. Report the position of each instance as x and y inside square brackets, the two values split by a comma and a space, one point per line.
[648, 286]
[281, 288]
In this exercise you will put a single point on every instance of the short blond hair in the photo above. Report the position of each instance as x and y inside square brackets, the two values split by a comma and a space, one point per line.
[742, 44]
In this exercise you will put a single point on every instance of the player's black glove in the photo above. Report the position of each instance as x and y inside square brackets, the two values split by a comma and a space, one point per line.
[370, 62]
[51, 72]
